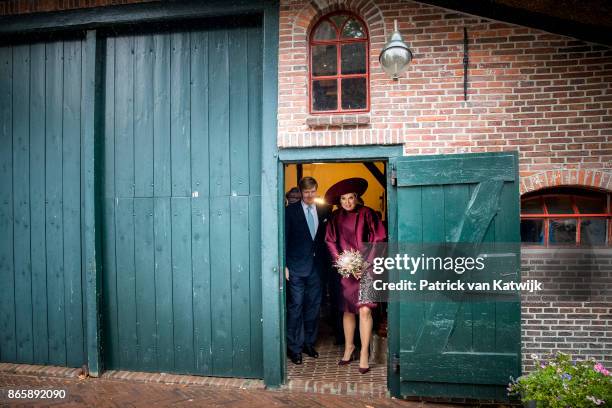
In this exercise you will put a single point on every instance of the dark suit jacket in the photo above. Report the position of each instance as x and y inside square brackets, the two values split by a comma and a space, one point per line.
[301, 251]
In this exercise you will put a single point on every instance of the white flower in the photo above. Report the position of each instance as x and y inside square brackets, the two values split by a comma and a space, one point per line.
[534, 356]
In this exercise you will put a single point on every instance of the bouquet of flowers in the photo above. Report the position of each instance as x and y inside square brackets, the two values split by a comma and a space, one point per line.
[351, 262]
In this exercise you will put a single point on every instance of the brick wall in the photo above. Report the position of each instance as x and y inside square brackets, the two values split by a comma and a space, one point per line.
[573, 313]
[546, 95]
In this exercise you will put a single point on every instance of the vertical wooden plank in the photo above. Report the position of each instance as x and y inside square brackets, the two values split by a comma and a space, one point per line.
[272, 352]
[221, 302]
[218, 77]
[109, 275]
[92, 147]
[254, 54]
[255, 285]
[54, 82]
[37, 200]
[124, 116]
[200, 258]
[180, 106]
[182, 285]
[199, 114]
[126, 285]
[162, 220]
[239, 264]
[238, 111]
[432, 209]
[145, 283]
[8, 346]
[143, 116]
[21, 203]
[161, 116]
[71, 186]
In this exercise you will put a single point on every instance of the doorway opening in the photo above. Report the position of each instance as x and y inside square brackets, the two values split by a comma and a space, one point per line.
[323, 374]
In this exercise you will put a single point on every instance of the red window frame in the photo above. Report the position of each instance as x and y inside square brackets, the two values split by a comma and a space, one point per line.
[338, 42]
[546, 216]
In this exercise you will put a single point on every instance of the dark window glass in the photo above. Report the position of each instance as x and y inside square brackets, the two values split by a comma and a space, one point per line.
[353, 58]
[591, 205]
[559, 205]
[354, 93]
[324, 60]
[532, 231]
[593, 231]
[562, 231]
[533, 206]
[325, 31]
[325, 95]
[353, 29]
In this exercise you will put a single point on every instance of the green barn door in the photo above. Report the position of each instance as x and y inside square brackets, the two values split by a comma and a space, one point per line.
[41, 118]
[181, 229]
[467, 344]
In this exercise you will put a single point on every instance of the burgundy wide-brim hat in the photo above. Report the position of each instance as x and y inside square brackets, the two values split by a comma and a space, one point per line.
[355, 185]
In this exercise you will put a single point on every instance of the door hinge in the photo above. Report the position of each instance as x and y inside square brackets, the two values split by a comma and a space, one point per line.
[395, 363]
[393, 176]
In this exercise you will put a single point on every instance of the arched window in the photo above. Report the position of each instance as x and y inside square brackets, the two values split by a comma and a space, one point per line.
[566, 216]
[339, 67]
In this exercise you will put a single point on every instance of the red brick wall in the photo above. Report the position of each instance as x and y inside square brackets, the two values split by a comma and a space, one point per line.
[11, 7]
[574, 313]
[546, 95]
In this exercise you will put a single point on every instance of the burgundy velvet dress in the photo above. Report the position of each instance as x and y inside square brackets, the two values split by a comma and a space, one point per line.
[350, 230]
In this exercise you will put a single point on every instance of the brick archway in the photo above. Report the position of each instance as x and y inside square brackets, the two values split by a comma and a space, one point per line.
[555, 178]
[310, 12]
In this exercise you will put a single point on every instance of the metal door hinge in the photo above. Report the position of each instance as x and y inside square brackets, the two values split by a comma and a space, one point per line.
[395, 363]
[393, 176]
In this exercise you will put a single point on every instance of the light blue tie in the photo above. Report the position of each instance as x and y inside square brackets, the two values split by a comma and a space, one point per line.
[311, 222]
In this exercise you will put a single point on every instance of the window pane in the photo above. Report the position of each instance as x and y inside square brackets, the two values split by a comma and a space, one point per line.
[533, 206]
[325, 95]
[532, 231]
[339, 19]
[559, 205]
[593, 231]
[354, 93]
[325, 31]
[562, 231]
[591, 205]
[353, 58]
[353, 29]
[324, 60]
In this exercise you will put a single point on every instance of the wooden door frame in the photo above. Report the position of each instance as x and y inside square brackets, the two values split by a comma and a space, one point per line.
[47, 26]
[331, 154]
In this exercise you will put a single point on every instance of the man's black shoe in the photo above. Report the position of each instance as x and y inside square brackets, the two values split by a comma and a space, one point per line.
[311, 352]
[296, 358]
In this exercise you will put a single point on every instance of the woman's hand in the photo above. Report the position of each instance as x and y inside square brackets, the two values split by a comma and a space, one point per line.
[286, 273]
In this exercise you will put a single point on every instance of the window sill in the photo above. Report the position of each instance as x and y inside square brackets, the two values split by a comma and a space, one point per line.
[347, 119]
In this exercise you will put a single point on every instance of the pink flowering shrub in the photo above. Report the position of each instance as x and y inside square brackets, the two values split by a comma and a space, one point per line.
[562, 383]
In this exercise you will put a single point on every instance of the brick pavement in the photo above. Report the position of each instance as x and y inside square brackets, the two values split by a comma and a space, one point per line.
[114, 392]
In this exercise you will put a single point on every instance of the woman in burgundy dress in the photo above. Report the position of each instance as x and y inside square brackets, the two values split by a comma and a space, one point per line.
[354, 226]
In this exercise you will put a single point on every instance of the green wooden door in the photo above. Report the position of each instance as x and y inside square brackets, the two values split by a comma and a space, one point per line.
[41, 301]
[466, 344]
[181, 229]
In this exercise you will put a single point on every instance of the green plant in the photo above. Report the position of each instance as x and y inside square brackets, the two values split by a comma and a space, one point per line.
[560, 382]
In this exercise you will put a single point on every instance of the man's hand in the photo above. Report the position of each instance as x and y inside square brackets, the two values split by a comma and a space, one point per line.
[286, 273]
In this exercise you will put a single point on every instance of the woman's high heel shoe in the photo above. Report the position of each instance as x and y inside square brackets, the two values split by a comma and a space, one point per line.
[346, 362]
[363, 370]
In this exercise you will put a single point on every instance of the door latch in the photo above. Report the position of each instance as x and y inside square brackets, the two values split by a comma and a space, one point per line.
[393, 176]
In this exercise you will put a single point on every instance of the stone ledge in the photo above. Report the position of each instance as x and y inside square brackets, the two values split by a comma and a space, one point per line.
[338, 120]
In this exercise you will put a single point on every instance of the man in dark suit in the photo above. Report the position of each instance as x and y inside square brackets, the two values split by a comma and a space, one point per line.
[306, 255]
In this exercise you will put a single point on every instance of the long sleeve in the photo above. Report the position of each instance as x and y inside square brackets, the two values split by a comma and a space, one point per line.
[331, 238]
[376, 227]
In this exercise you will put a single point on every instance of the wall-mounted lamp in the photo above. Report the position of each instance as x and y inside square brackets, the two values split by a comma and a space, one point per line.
[395, 55]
